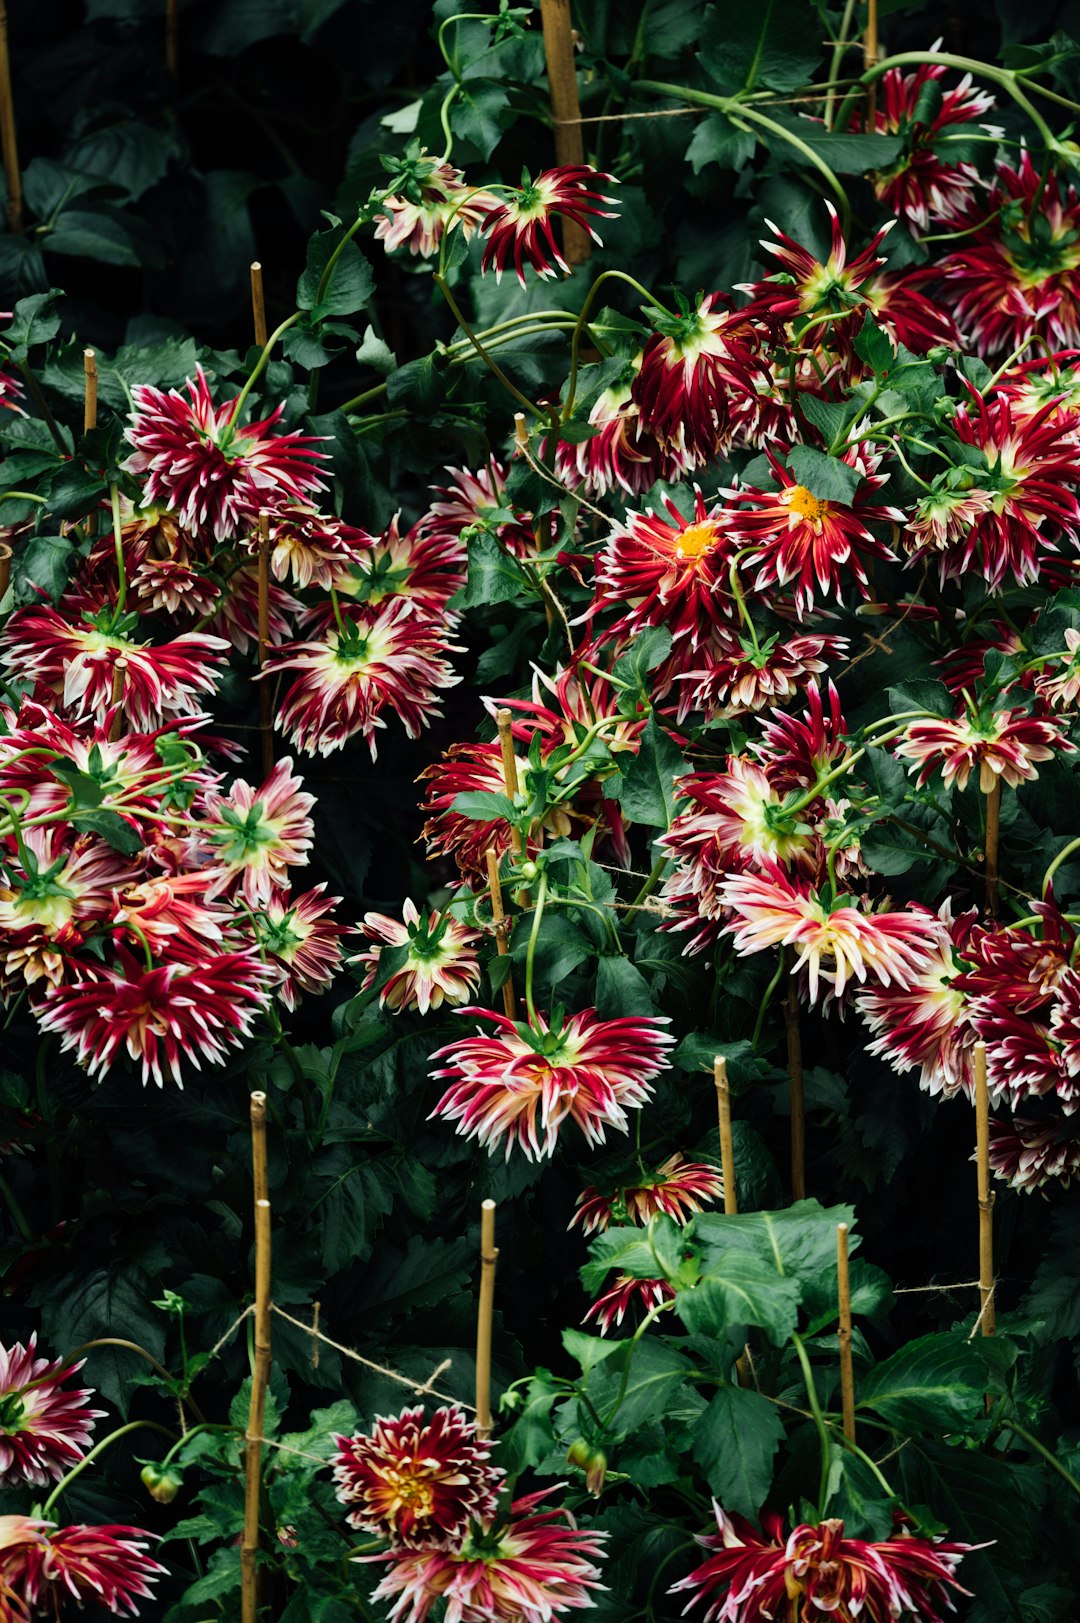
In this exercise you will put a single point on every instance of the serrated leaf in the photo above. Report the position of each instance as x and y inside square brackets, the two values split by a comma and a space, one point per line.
[931, 1385]
[646, 791]
[483, 806]
[494, 576]
[740, 1290]
[349, 285]
[735, 1443]
[825, 477]
[921, 694]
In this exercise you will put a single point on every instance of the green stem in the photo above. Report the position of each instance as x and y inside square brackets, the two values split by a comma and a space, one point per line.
[205, 1425]
[579, 326]
[530, 955]
[492, 366]
[963, 64]
[444, 120]
[1066, 851]
[367, 394]
[260, 364]
[819, 1421]
[1040, 1448]
[331, 263]
[118, 543]
[99, 1448]
[37, 395]
[766, 1000]
[22, 496]
[840, 45]
[14, 1206]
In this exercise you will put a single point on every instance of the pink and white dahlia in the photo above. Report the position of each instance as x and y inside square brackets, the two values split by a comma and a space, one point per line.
[440, 965]
[924, 1022]
[670, 574]
[738, 675]
[798, 750]
[626, 1292]
[622, 454]
[301, 940]
[425, 567]
[816, 1575]
[477, 499]
[237, 616]
[173, 1013]
[834, 940]
[1028, 1153]
[519, 229]
[1058, 683]
[390, 660]
[701, 380]
[907, 314]
[81, 663]
[1018, 275]
[522, 1083]
[43, 1567]
[677, 1190]
[1004, 745]
[43, 1428]
[1019, 987]
[528, 1569]
[1045, 380]
[309, 548]
[213, 471]
[257, 835]
[434, 198]
[418, 1483]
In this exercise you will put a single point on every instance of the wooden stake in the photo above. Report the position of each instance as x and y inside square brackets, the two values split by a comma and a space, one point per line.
[172, 37]
[90, 374]
[488, 1258]
[258, 1146]
[503, 720]
[249, 1549]
[8, 142]
[266, 717]
[843, 1334]
[116, 726]
[870, 56]
[798, 1106]
[988, 1312]
[258, 303]
[727, 1151]
[993, 833]
[565, 111]
[499, 915]
[5, 568]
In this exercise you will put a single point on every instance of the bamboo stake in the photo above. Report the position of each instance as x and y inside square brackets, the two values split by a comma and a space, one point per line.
[258, 1146]
[90, 374]
[8, 143]
[249, 1548]
[172, 37]
[116, 726]
[503, 720]
[266, 719]
[798, 1106]
[843, 1334]
[870, 56]
[499, 915]
[5, 568]
[565, 111]
[988, 1312]
[727, 1151]
[488, 1258]
[993, 833]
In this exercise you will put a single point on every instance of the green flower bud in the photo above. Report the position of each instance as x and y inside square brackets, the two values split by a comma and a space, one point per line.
[162, 1482]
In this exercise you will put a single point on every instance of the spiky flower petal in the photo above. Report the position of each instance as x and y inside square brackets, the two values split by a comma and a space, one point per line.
[418, 1483]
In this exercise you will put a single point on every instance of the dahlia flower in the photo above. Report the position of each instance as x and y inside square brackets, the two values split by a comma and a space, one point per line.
[300, 941]
[160, 1016]
[80, 664]
[1018, 275]
[43, 1428]
[425, 566]
[1058, 685]
[70, 882]
[529, 1569]
[669, 574]
[522, 1083]
[906, 314]
[1004, 746]
[171, 910]
[212, 470]
[810, 294]
[519, 230]
[964, 666]
[802, 539]
[170, 587]
[612, 1306]
[478, 499]
[42, 1567]
[435, 199]
[392, 660]
[622, 454]
[924, 1021]
[1029, 1154]
[311, 548]
[440, 964]
[677, 1190]
[835, 941]
[237, 615]
[921, 185]
[700, 380]
[417, 1483]
[798, 750]
[257, 835]
[739, 676]
[815, 1573]
[1019, 988]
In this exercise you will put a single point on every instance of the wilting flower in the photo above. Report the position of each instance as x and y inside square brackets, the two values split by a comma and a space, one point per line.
[529, 1569]
[677, 1190]
[301, 941]
[835, 941]
[816, 1573]
[161, 1016]
[670, 574]
[805, 540]
[82, 663]
[622, 454]
[519, 230]
[1004, 745]
[391, 660]
[440, 964]
[922, 184]
[309, 547]
[701, 380]
[1029, 1153]
[1058, 685]
[613, 1305]
[739, 676]
[43, 1428]
[1018, 275]
[924, 1021]
[42, 1567]
[433, 198]
[257, 835]
[520, 1084]
[212, 470]
[418, 1484]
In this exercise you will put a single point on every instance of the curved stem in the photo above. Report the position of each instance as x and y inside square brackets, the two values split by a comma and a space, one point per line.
[964, 64]
[260, 364]
[765, 1001]
[129, 1346]
[656, 873]
[1066, 851]
[118, 543]
[819, 1421]
[1040, 1448]
[99, 1448]
[444, 119]
[530, 955]
[492, 366]
[579, 327]
[331, 263]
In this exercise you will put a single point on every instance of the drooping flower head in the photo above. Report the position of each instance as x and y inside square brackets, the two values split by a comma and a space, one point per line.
[822, 302]
[439, 963]
[677, 1189]
[418, 1483]
[529, 1569]
[301, 941]
[1003, 744]
[257, 835]
[816, 1575]
[519, 1085]
[310, 548]
[701, 379]
[425, 566]
[43, 1567]
[622, 454]
[924, 1021]
[800, 749]
[625, 1292]
[429, 198]
[1028, 1153]
[212, 470]
[519, 229]
[737, 675]
[44, 1428]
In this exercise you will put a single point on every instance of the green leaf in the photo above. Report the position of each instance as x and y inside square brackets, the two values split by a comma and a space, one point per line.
[741, 1290]
[845, 154]
[494, 576]
[478, 113]
[588, 1351]
[112, 828]
[621, 989]
[75, 491]
[717, 140]
[657, 1372]
[931, 1385]
[417, 385]
[775, 45]
[93, 233]
[735, 1443]
[875, 347]
[885, 775]
[32, 322]
[41, 567]
[351, 281]
[376, 353]
[825, 477]
[483, 806]
[921, 694]
[646, 791]
[648, 650]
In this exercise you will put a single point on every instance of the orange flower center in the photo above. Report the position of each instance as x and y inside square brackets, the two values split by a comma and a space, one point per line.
[697, 541]
[411, 1492]
[807, 506]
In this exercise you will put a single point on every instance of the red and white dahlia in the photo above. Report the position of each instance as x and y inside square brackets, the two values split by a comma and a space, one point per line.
[434, 198]
[669, 574]
[418, 1483]
[43, 1567]
[612, 1306]
[43, 1428]
[1004, 745]
[701, 380]
[522, 1083]
[925, 1020]
[440, 964]
[738, 675]
[622, 454]
[823, 302]
[310, 548]
[519, 229]
[1028, 1153]
[677, 1190]
[212, 470]
[257, 835]
[301, 940]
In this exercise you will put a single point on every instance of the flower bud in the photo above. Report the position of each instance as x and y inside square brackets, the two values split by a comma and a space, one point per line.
[529, 871]
[593, 1461]
[162, 1482]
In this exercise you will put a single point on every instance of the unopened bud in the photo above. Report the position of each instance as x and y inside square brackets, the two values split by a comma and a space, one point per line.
[529, 871]
[593, 1461]
[162, 1482]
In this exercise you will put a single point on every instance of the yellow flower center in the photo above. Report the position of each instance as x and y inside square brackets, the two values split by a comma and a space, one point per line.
[697, 542]
[807, 506]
